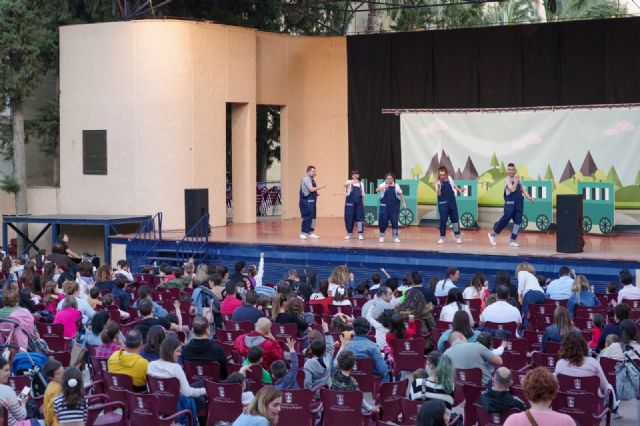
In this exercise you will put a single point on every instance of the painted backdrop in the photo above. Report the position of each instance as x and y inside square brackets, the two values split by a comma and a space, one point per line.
[565, 146]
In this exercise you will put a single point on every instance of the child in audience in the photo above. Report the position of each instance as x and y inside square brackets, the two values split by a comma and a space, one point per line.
[341, 379]
[54, 370]
[247, 396]
[596, 330]
[94, 298]
[71, 406]
[254, 357]
[286, 377]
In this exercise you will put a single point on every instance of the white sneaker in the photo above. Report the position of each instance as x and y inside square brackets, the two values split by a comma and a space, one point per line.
[492, 239]
[396, 240]
[360, 237]
[303, 236]
[348, 237]
[458, 240]
[514, 244]
[381, 240]
[313, 235]
[441, 241]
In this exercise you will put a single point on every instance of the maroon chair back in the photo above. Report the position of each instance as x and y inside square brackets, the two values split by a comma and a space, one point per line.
[363, 373]
[296, 408]
[117, 385]
[409, 410]
[389, 399]
[245, 326]
[144, 410]
[408, 354]
[50, 330]
[342, 408]
[341, 309]
[511, 326]
[582, 407]
[224, 402]
[167, 391]
[201, 371]
[491, 419]
[545, 360]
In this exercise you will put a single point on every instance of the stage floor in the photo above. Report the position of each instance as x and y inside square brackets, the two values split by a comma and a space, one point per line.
[331, 230]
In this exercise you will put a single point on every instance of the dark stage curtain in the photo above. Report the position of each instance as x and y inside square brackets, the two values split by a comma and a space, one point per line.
[570, 63]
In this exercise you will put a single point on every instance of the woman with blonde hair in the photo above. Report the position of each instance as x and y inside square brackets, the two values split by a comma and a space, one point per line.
[529, 290]
[263, 410]
[581, 295]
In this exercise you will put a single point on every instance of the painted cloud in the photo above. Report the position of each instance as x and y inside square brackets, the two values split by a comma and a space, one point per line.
[620, 127]
[526, 140]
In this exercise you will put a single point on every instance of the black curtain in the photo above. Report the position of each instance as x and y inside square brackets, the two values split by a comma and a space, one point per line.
[570, 63]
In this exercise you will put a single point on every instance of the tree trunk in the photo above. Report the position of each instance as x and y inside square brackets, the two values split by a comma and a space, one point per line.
[19, 167]
[374, 20]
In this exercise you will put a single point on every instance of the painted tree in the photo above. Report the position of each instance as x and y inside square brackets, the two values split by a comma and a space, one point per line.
[494, 161]
[548, 174]
[28, 42]
[612, 176]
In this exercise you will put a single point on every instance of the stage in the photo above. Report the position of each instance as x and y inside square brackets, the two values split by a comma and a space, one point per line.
[418, 250]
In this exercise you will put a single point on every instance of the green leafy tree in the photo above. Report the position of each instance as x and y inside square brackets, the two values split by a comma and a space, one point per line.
[612, 176]
[494, 161]
[549, 174]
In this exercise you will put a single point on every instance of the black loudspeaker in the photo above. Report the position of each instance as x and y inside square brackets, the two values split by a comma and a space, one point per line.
[196, 205]
[569, 237]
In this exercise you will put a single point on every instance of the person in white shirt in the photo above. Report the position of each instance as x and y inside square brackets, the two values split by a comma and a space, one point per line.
[628, 290]
[390, 197]
[501, 311]
[354, 206]
[455, 303]
[443, 286]
[529, 290]
[560, 288]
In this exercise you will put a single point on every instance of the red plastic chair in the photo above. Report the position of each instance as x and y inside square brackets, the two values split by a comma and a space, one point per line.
[580, 406]
[491, 419]
[201, 371]
[363, 373]
[102, 411]
[409, 410]
[167, 391]
[408, 355]
[340, 309]
[389, 399]
[224, 402]
[298, 408]
[342, 408]
[511, 326]
[144, 409]
[548, 361]
[117, 385]
[245, 326]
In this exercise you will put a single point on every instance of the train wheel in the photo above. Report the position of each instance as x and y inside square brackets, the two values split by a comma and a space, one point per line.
[605, 225]
[586, 224]
[525, 222]
[406, 217]
[467, 220]
[542, 222]
[370, 218]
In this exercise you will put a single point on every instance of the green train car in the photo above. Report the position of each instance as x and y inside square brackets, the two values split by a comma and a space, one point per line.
[541, 211]
[408, 216]
[598, 206]
[467, 203]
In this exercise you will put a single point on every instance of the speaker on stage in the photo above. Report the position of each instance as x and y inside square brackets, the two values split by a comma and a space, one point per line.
[196, 205]
[569, 237]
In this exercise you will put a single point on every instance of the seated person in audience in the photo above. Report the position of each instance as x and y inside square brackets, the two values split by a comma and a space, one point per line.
[230, 302]
[247, 396]
[201, 349]
[435, 381]
[293, 314]
[263, 338]
[540, 388]
[628, 290]
[255, 357]
[317, 369]
[73, 288]
[121, 293]
[501, 311]
[128, 361]
[107, 301]
[626, 344]
[621, 312]
[560, 288]
[248, 311]
[341, 379]
[560, 328]
[498, 399]
[148, 320]
[284, 376]
[54, 370]
[467, 355]
[362, 347]
[382, 301]
[596, 330]
[94, 297]
[144, 292]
